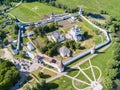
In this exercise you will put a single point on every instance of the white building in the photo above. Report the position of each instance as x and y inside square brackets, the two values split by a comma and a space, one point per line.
[30, 46]
[31, 33]
[80, 11]
[74, 34]
[30, 55]
[60, 66]
[64, 51]
[52, 16]
[93, 50]
[56, 36]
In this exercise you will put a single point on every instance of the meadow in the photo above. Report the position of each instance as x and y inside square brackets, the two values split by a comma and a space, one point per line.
[111, 6]
[34, 11]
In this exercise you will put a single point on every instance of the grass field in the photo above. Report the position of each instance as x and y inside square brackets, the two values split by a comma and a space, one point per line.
[33, 11]
[63, 83]
[111, 6]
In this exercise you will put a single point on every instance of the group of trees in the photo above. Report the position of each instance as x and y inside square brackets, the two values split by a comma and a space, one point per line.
[50, 49]
[6, 26]
[3, 36]
[3, 39]
[9, 74]
[103, 12]
[113, 69]
[42, 30]
[71, 44]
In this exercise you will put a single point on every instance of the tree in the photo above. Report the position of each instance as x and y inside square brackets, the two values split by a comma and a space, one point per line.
[111, 73]
[5, 41]
[16, 28]
[43, 84]
[36, 30]
[9, 74]
[112, 64]
[46, 29]
[41, 74]
[108, 83]
[2, 35]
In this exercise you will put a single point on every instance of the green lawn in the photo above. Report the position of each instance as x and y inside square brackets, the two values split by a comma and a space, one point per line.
[33, 11]
[63, 83]
[47, 73]
[82, 77]
[111, 6]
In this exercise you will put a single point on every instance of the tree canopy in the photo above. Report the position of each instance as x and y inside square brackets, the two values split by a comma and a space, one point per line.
[9, 74]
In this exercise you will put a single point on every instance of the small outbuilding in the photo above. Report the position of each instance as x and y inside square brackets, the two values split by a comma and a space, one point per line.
[30, 55]
[31, 33]
[56, 36]
[30, 46]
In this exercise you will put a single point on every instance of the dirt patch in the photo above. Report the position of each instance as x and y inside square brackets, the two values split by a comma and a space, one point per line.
[66, 24]
[39, 43]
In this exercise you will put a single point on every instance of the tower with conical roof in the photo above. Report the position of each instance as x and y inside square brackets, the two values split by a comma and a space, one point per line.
[60, 66]
[93, 50]
[80, 11]
[52, 16]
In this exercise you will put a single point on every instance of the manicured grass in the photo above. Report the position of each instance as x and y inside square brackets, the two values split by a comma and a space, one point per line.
[35, 73]
[82, 77]
[63, 83]
[111, 6]
[92, 37]
[33, 11]
[47, 73]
